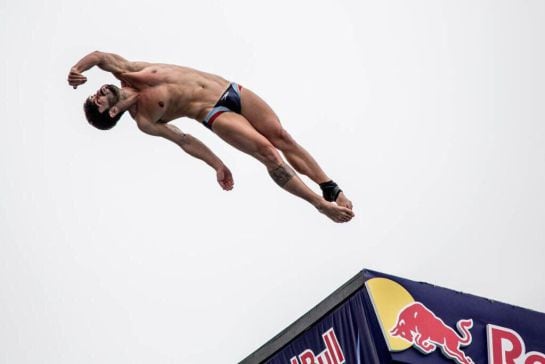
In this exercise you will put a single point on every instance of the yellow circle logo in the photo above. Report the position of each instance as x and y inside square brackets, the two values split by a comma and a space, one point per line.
[389, 298]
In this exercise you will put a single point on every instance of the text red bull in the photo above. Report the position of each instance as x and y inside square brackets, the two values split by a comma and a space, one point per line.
[420, 326]
[505, 346]
[332, 354]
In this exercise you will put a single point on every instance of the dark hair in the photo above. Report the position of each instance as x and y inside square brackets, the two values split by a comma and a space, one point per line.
[102, 121]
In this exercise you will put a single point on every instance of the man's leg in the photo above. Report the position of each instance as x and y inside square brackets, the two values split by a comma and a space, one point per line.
[238, 132]
[265, 121]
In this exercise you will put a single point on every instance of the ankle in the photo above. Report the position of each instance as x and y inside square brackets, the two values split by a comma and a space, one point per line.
[319, 203]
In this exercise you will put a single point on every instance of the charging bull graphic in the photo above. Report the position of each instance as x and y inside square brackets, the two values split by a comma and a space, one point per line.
[421, 327]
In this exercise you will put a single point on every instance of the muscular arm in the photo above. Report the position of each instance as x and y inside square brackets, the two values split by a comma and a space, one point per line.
[188, 143]
[109, 62]
[193, 147]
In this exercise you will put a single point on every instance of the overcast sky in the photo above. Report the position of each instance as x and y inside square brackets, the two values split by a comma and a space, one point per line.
[116, 247]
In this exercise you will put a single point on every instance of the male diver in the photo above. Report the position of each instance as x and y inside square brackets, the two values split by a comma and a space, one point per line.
[155, 94]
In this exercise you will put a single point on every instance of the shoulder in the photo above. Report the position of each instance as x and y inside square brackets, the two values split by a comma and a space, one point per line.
[146, 125]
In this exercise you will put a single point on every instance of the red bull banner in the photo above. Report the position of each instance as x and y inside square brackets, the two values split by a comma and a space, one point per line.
[387, 319]
[422, 323]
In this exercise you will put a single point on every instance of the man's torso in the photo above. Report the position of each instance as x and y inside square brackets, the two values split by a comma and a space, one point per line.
[168, 92]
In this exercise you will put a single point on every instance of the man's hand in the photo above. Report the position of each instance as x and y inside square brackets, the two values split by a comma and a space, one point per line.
[76, 78]
[225, 179]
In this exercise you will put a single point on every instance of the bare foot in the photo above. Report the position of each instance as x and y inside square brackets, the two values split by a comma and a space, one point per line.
[343, 201]
[335, 212]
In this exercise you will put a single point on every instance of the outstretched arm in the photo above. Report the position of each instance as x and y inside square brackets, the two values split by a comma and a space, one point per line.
[109, 62]
[193, 147]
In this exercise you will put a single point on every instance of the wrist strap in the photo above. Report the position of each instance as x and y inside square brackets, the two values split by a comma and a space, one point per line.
[330, 191]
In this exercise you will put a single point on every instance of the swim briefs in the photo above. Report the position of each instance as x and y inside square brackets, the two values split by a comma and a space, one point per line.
[229, 101]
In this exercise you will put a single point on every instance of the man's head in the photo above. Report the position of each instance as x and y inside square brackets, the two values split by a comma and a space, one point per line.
[97, 107]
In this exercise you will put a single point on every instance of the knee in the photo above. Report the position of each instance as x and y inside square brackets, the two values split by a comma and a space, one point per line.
[282, 140]
[268, 155]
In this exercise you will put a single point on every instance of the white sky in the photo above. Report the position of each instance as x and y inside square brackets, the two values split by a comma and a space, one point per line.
[116, 247]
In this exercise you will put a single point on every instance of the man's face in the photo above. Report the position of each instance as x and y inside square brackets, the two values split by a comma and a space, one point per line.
[105, 97]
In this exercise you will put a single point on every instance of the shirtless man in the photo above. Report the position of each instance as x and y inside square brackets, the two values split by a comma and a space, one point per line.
[155, 94]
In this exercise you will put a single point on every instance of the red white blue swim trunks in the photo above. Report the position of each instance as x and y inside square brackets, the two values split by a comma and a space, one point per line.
[228, 102]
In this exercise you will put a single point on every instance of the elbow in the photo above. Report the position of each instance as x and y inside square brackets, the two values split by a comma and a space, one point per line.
[99, 56]
[185, 141]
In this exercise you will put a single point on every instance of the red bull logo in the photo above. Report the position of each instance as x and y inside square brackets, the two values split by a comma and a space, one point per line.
[332, 354]
[419, 326]
[407, 323]
[505, 346]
